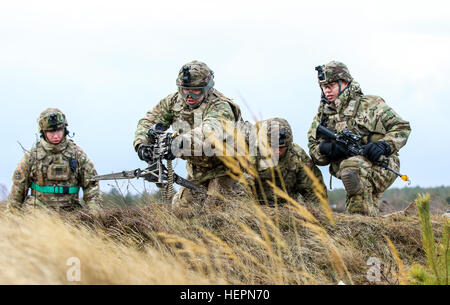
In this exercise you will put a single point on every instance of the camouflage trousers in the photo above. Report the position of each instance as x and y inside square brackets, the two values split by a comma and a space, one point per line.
[219, 191]
[365, 183]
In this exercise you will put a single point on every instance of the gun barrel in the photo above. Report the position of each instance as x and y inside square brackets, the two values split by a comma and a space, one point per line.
[326, 132]
[120, 175]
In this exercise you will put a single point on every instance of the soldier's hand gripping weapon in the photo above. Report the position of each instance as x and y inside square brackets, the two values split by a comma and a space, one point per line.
[351, 142]
[156, 172]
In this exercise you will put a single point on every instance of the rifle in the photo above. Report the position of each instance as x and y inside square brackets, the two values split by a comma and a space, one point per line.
[351, 142]
[156, 172]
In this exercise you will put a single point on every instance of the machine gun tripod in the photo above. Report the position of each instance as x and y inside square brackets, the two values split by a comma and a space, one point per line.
[156, 172]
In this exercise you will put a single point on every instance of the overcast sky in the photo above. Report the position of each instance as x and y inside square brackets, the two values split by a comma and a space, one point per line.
[105, 63]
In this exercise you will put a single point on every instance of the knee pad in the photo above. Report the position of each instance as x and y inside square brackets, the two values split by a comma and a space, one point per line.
[350, 179]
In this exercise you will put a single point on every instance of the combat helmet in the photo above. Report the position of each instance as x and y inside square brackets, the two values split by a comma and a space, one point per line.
[271, 126]
[52, 119]
[195, 75]
[333, 72]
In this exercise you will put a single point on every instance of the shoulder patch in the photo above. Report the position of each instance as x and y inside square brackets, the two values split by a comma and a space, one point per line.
[20, 168]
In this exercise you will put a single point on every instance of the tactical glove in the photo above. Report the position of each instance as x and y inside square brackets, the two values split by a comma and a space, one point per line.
[333, 150]
[145, 152]
[374, 150]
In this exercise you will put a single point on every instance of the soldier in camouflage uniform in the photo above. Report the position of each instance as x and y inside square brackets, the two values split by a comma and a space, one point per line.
[290, 159]
[195, 112]
[54, 169]
[383, 132]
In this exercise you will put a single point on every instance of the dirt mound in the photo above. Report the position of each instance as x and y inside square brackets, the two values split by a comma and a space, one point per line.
[277, 245]
[234, 243]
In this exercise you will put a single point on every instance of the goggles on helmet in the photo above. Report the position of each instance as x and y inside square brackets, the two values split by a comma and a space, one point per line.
[190, 92]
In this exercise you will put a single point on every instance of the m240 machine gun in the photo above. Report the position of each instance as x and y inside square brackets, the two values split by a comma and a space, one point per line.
[164, 177]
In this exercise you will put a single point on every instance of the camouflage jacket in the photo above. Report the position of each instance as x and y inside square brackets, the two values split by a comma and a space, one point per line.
[294, 176]
[195, 125]
[46, 164]
[365, 115]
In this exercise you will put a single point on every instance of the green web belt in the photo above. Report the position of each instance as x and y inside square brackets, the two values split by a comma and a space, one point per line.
[56, 189]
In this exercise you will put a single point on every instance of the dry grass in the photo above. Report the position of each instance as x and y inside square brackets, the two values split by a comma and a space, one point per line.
[37, 246]
[237, 243]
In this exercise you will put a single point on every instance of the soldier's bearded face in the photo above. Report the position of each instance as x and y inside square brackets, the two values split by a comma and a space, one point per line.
[189, 98]
[54, 137]
[331, 90]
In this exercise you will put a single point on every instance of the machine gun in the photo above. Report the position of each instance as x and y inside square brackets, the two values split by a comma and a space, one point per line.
[351, 142]
[156, 172]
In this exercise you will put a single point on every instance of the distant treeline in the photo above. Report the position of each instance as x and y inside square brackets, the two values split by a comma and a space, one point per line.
[116, 197]
[395, 199]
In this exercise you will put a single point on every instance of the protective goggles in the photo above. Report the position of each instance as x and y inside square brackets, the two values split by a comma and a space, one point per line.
[189, 90]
